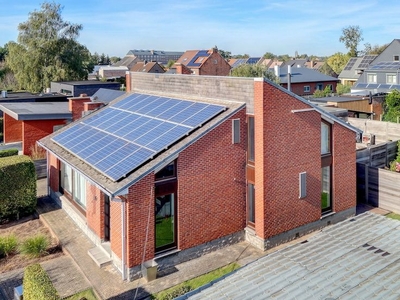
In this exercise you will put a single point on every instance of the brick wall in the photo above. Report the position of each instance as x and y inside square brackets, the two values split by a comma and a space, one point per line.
[12, 129]
[286, 144]
[95, 210]
[115, 228]
[238, 89]
[298, 88]
[76, 106]
[211, 186]
[54, 176]
[215, 65]
[34, 130]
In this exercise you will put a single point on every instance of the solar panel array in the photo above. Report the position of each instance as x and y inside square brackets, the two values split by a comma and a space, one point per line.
[386, 65]
[350, 64]
[201, 53]
[239, 62]
[365, 62]
[253, 60]
[123, 136]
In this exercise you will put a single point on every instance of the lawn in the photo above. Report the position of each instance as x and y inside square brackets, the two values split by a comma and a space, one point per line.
[87, 294]
[164, 231]
[393, 216]
[194, 283]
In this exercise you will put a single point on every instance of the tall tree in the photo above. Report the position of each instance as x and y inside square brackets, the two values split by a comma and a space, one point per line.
[338, 61]
[351, 37]
[269, 55]
[392, 106]
[376, 49]
[47, 50]
[247, 70]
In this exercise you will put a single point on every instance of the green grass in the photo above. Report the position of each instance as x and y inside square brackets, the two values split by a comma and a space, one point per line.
[34, 246]
[324, 200]
[87, 294]
[164, 231]
[194, 283]
[8, 245]
[393, 216]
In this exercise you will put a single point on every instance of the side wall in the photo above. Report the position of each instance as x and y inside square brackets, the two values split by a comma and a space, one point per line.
[215, 65]
[12, 129]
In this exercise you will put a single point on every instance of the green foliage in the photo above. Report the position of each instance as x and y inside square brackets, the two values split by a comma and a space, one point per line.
[34, 246]
[342, 89]
[8, 152]
[391, 106]
[393, 216]
[327, 70]
[8, 245]
[247, 70]
[47, 50]
[269, 55]
[394, 165]
[37, 284]
[225, 54]
[322, 93]
[87, 294]
[170, 63]
[351, 37]
[338, 61]
[376, 49]
[195, 283]
[17, 186]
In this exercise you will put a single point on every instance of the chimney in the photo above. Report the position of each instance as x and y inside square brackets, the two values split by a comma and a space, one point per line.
[128, 81]
[277, 71]
[76, 105]
[289, 75]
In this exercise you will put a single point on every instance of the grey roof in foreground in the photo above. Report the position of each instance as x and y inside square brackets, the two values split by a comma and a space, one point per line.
[106, 95]
[355, 259]
[37, 110]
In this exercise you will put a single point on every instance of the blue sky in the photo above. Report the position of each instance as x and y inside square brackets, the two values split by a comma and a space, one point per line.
[252, 27]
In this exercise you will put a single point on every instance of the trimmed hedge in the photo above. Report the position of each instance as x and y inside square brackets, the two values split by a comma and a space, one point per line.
[17, 187]
[37, 284]
[8, 152]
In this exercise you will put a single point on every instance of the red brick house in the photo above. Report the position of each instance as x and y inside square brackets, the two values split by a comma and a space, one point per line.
[202, 62]
[251, 162]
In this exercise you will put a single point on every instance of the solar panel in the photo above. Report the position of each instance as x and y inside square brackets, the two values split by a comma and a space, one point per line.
[253, 60]
[386, 65]
[365, 62]
[350, 64]
[124, 135]
[361, 85]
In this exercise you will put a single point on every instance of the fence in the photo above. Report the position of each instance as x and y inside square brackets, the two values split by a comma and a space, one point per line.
[40, 166]
[377, 156]
[378, 187]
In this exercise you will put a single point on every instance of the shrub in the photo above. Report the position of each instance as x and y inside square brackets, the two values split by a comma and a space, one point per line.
[37, 152]
[17, 187]
[8, 245]
[8, 152]
[37, 284]
[35, 246]
[176, 293]
[395, 164]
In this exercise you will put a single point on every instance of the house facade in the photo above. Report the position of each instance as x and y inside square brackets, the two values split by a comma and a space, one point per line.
[251, 162]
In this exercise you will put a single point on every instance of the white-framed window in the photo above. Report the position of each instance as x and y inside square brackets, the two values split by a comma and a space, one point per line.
[306, 89]
[371, 78]
[391, 79]
[235, 131]
[74, 184]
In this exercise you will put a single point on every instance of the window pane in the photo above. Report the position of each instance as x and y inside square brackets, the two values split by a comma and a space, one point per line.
[165, 228]
[250, 203]
[66, 177]
[251, 139]
[325, 138]
[326, 188]
[79, 192]
[167, 172]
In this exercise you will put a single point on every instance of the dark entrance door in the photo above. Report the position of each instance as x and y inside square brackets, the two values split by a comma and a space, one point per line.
[106, 218]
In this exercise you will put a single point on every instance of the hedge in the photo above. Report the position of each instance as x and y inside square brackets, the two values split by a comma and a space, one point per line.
[37, 284]
[17, 187]
[8, 152]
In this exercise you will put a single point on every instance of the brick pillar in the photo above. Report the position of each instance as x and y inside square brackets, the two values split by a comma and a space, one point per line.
[128, 81]
[88, 106]
[76, 105]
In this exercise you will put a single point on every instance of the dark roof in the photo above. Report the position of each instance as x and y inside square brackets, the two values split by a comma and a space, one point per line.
[153, 52]
[106, 95]
[117, 187]
[87, 82]
[29, 97]
[354, 259]
[37, 110]
[300, 75]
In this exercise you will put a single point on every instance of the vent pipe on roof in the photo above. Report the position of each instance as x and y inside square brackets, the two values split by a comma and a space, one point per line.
[277, 71]
[4, 94]
[289, 75]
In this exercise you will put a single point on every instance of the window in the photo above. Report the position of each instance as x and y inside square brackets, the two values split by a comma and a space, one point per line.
[250, 204]
[325, 138]
[371, 78]
[250, 150]
[73, 185]
[236, 131]
[326, 203]
[302, 185]
[391, 78]
[169, 171]
[396, 58]
[319, 86]
[306, 89]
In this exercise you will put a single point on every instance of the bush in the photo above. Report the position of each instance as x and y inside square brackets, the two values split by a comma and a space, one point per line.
[37, 152]
[176, 293]
[395, 164]
[35, 246]
[17, 187]
[8, 152]
[37, 284]
[8, 245]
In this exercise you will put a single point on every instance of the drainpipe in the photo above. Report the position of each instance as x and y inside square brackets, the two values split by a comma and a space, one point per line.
[289, 75]
[123, 209]
[47, 173]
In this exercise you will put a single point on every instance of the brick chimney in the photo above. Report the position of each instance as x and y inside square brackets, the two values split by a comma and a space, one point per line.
[76, 105]
[182, 69]
[128, 81]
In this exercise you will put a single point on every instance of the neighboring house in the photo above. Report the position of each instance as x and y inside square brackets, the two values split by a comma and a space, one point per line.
[354, 68]
[112, 72]
[106, 95]
[148, 67]
[304, 81]
[29, 122]
[160, 56]
[76, 88]
[236, 62]
[183, 165]
[203, 62]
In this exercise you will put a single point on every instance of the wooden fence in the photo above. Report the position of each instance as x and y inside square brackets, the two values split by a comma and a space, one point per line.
[377, 156]
[40, 166]
[378, 187]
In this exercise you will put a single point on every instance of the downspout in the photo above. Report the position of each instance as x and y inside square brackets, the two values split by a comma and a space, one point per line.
[123, 218]
[47, 173]
[289, 79]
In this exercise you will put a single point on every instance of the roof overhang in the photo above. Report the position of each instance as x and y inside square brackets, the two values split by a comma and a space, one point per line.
[29, 111]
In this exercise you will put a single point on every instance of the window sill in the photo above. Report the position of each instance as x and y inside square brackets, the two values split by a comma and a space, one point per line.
[166, 253]
[327, 215]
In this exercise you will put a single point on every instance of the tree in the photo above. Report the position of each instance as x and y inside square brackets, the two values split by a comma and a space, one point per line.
[247, 70]
[170, 63]
[47, 50]
[3, 52]
[338, 61]
[114, 59]
[351, 37]
[392, 106]
[376, 49]
[225, 54]
[269, 55]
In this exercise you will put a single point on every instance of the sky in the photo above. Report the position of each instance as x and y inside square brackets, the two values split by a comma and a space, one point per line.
[251, 27]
